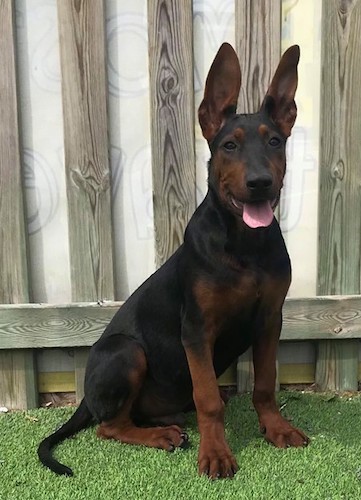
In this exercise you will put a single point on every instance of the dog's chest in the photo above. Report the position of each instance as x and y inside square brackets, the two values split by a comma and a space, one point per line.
[251, 293]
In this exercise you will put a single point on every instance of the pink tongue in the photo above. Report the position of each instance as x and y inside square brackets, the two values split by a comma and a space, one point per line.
[258, 214]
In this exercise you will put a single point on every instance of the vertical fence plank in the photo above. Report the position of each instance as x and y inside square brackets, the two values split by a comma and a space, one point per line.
[82, 44]
[172, 107]
[81, 25]
[18, 376]
[258, 44]
[245, 372]
[340, 180]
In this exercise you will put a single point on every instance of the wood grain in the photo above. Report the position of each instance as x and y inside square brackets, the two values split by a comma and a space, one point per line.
[41, 325]
[245, 372]
[340, 177]
[340, 150]
[335, 318]
[81, 27]
[172, 130]
[337, 365]
[330, 317]
[258, 44]
[13, 276]
[84, 85]
[17, 381]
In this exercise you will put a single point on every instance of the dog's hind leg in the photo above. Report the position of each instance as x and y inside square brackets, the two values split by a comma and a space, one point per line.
[116, 373]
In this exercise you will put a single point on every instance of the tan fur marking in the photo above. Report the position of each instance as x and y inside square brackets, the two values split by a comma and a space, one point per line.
[218, 303]
[263, 130]
[239, 134]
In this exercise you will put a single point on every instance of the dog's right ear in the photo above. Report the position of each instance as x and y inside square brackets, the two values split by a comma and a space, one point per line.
[221, 93]
[279, 101]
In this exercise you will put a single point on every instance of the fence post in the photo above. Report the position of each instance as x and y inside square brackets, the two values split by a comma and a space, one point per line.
[84, 88]
[18, 381]
[340, 179]
[172, 133]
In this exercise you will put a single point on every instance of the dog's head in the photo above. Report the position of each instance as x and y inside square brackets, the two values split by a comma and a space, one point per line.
[248, 160]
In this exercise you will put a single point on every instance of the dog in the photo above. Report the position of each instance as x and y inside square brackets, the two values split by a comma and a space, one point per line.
[220, 293]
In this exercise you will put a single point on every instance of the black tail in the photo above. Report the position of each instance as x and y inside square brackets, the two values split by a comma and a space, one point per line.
[79, 420]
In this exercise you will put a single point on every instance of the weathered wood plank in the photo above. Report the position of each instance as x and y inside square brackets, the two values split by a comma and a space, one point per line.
[330, 317]
[245, 372]
[79, 325]
[340, 178]
[38, 325]
[337, 365]
[340, 149]
[13, 276]
[84, 87]
[17, 381]
[172, 133]
[258, 44]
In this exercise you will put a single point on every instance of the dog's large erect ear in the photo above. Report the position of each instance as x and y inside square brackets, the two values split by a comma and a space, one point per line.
[279, 100]
[221, 92]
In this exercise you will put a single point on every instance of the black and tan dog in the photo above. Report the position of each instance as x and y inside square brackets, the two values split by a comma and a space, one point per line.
[220, 293]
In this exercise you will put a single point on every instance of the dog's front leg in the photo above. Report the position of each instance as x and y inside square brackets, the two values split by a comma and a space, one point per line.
[215, 457]
[276, 429]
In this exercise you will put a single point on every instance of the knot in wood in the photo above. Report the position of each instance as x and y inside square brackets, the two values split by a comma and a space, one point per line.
[169, 83]
[345, 7]
[90, 182]
[338, 170]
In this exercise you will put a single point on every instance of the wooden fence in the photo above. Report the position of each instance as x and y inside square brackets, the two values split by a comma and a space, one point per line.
[333, 322]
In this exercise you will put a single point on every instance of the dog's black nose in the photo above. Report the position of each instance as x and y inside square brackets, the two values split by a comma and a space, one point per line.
[259, 182]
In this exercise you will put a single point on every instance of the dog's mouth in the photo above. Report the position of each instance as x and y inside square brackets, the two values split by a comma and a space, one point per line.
[255, 214]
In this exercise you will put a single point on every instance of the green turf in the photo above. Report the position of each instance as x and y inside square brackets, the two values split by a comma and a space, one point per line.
[330, 468]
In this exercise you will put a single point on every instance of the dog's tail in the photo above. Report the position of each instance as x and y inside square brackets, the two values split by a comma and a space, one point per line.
[79, 420]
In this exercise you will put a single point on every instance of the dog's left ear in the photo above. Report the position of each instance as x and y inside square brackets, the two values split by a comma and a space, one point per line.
[279, 101]
[221, 92]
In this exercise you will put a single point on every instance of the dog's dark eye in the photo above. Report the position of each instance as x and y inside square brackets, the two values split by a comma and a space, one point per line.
[274, 142]
[229, 146]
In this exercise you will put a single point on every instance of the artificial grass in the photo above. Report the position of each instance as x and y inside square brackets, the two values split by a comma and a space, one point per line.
[329, 468]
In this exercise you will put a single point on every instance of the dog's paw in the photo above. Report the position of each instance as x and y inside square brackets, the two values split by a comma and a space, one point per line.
[284, 435]
[169, 438]
[216, 461]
